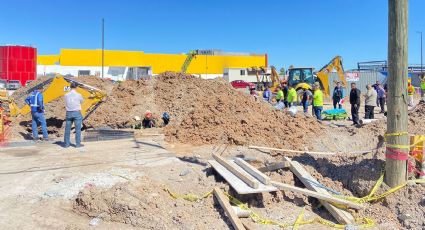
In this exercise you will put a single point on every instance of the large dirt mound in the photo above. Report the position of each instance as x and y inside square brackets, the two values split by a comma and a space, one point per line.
[203, 112]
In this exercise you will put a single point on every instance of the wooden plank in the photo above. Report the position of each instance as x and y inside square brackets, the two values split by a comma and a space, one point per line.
[342, 216]
[236, 183]
[317, 195]
[274, 166]
[291, 151]
[253, 171]
[245, 177]
[224, 202]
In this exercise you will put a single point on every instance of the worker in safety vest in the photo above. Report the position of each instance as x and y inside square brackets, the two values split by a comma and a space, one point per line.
[279, 95]
[35, 101]
[292, 96]
[317, 101]
[422, 77]
[410, 92]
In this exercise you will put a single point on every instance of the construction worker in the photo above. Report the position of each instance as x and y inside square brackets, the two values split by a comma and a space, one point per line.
[292, 96]
[355, 103]
[370, 102]
[253, 92]
[73, 101]
[422, 78]
[317, 101]
[267, 94]
[36, 103]
[306, 98]
[337, 95]
[148, 121]
[285, 93]
[381, 97]
[279, 95]
[410, 92]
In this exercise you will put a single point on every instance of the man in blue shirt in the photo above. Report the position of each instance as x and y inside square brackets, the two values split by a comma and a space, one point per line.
[35, 101]
[267, 94]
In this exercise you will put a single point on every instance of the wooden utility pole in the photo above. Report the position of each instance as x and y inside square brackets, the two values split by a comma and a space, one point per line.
[397, 137]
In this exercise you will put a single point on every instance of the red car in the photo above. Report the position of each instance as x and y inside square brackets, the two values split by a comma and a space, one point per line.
[240, 84]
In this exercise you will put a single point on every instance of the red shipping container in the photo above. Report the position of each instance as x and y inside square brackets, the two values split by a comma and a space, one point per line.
[18, 63]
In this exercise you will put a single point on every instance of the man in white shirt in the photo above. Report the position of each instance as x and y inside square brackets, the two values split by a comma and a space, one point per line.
[73, 101]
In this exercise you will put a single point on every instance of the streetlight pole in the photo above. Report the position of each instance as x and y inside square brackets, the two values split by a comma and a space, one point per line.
[103, 46]
[422, 69]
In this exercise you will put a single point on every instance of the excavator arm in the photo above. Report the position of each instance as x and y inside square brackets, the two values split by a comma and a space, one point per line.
[58, 87]
[323, 74]
[190, 56]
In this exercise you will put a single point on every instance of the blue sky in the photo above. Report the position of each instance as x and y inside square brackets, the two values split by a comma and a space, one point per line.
[302, 32]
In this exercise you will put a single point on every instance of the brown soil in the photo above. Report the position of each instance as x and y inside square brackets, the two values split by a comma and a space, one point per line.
[203, 112]
[147, 205]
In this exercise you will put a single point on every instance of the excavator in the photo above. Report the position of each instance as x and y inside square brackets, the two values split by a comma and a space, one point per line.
[304, 78]
[272, 79]
[57, 87]
[190, 56]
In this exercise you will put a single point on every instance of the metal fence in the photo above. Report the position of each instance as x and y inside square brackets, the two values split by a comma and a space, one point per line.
[362, 79]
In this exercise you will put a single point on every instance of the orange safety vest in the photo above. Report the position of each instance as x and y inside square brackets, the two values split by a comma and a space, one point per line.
[410, 90]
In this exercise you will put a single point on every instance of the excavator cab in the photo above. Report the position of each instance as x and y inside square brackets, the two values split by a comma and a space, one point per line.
[301, 77]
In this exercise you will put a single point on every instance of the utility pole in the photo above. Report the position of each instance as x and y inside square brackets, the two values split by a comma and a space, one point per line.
[397, 137]
[103, 45]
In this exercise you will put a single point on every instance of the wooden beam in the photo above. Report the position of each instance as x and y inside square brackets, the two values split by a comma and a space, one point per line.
[224, 203]
[245, 177]
[253, 171]
[318, 195]
[291, 151]
[342, 216]
[397, 118]
[274, 167]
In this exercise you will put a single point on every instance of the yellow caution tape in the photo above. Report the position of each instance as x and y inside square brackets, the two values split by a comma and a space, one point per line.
[189, 197]
[418, 141]
[362, 222]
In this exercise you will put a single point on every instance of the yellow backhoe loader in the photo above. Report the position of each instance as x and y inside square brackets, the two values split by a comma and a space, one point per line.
[57, 87]
[304, 78]
[271, 79]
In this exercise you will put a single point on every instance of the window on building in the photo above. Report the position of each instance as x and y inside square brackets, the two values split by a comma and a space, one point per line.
[242, 72]
[83, 72]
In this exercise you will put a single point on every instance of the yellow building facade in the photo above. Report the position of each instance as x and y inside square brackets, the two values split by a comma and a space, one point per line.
[201, 64]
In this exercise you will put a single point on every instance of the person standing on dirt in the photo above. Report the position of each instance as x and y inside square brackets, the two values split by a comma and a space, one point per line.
[337, 95]
[292, 96]
[279, 95]
[36, 103]
[306, 98]
[267, 94]
[410, 92]
[73, 101]
[381, 97]
[317, 101]
[285, 93]
[370, 102]
[422, 78]
[355, 103]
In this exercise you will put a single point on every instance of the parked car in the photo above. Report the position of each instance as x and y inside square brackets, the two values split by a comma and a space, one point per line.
[241, 84]
[13, 85]
[28, 82]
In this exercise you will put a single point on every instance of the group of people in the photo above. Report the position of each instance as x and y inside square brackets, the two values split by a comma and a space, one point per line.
[73, 101]
[286, 96]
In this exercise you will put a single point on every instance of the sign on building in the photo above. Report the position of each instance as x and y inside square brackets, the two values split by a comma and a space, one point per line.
[352, 76]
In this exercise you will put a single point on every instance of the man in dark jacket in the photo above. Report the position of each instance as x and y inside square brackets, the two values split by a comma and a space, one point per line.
[337, 95]
[355, 103]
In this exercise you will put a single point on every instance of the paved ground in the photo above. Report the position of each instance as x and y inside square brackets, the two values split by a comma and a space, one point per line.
[37, 182]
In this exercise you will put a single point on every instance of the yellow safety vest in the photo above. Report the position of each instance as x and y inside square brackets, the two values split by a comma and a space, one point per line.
[318, 98]
[423, 84]
[292, 95]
